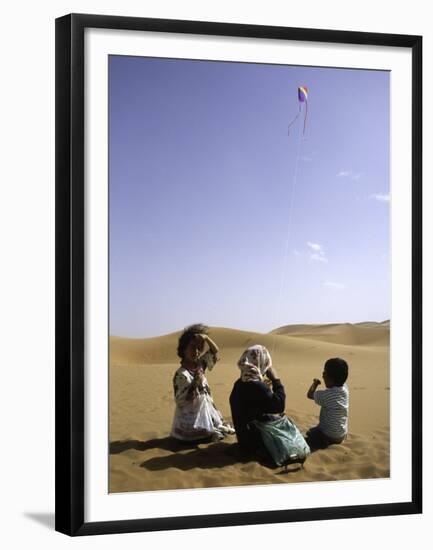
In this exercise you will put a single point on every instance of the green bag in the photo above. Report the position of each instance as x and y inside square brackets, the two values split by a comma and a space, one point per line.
[283, 440]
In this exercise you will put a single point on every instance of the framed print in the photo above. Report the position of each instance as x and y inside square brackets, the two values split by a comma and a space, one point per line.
[238, 274]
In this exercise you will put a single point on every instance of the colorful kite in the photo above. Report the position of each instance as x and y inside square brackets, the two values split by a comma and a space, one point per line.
[302, 98]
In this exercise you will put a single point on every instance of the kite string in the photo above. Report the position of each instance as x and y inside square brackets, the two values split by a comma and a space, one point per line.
[305, 116]
[286, 252]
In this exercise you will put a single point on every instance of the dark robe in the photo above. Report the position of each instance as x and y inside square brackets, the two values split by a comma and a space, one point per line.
[254, 401]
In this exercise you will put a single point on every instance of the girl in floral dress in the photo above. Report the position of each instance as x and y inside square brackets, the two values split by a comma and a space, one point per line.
[196, 417]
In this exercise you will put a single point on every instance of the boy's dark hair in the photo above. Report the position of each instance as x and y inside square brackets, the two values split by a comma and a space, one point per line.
[189, 334]
[337, 369]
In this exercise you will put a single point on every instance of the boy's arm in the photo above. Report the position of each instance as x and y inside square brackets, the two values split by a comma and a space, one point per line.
[313, 388]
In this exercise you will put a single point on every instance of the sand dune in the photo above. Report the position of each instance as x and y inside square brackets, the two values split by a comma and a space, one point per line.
[143, 457]
[359, 334]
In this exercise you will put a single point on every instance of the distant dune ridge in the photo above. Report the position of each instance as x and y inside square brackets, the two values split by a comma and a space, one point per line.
[367, 333]
[142, 457]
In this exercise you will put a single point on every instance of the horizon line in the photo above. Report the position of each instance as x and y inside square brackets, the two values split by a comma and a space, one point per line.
[270, 332]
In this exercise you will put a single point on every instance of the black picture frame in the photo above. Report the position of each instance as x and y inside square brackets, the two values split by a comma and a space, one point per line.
[70, 280]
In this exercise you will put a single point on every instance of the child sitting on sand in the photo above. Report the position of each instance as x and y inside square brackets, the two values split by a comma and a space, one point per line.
[196, 416]
[334, 403]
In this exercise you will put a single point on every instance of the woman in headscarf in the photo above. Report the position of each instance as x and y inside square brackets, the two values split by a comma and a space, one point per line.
[252, 399]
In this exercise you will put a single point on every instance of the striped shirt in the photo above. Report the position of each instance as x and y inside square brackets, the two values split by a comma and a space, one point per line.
[334, 403]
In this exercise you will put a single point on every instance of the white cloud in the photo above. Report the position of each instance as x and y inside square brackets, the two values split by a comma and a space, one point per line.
[381, 197]
[315, 246]
[307, 158]
[349, 174]
[317, 253]
[337, 286]
[343, 173]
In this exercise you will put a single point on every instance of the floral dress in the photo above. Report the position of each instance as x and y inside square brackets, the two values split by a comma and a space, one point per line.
[196, 416]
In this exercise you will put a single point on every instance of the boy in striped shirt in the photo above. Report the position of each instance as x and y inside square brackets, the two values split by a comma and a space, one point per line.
[334, 403]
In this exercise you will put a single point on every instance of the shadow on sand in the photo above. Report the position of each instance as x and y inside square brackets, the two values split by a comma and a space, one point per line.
[164, 443]
[215, 455]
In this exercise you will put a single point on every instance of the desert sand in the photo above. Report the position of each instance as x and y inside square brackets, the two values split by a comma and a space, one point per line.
[143, 457]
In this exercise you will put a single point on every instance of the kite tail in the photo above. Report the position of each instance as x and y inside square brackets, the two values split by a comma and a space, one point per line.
[305, 117]
[293, 121]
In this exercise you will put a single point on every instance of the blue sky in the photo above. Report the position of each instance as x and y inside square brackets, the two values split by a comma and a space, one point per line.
[218, 215]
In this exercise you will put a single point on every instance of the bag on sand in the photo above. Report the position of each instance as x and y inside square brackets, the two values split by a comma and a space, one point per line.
[283, 440]
[207, 417]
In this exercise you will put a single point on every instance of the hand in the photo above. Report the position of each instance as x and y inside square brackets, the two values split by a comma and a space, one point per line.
[271, 373]
[199, 379]
[313, 387]
[199, 375]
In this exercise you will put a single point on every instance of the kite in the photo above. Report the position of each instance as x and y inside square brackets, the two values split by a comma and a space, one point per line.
[302, 98]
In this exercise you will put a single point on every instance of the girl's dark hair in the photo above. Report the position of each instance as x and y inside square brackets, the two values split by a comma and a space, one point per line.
[189, 334]
[337, 369]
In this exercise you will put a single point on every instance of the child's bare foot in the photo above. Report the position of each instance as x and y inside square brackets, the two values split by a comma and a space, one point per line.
[226, 429]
